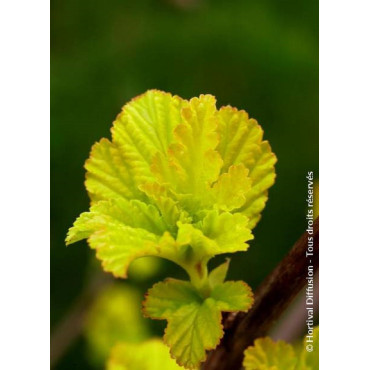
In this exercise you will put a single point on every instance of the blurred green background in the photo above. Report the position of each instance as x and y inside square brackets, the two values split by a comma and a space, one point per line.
[261, 56]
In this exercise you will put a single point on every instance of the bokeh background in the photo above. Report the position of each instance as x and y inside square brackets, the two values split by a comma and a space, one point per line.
[261, 56]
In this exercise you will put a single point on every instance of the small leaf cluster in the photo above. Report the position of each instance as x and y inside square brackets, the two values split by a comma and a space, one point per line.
[266, 354]
[184, 181]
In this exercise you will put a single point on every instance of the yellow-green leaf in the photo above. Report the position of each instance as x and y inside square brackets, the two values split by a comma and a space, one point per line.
[229, 192]
[233, 296]
[218, 275]
[192, 330]
[192, 178]
[166, 297]
[241, 143]
[194, 318]
[266, 354]
[119, 231]
[145, 126]
[109, 174]
[149, 355]
[216, 233]
[146, 123]
[113, 316]
[228, 231]
[192, 164]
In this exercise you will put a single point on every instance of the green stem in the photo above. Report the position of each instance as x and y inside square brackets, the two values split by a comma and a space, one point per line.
[198, 274]
[196, 269]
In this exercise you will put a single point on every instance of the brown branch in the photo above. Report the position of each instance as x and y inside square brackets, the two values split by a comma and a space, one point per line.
[292, 323]
[271, 299]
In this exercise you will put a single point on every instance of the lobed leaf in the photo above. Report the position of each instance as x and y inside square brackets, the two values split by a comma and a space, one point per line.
[191, 164]
[180, 180]
[183, 181]
[218, 275]
[194, 319]
[229, 191]
[145, 126]
[119, 231]
[109, 174]
[165, 298]
[266, 354]
[241, 143]
[228, 231]
[216, 233]
[233, 296]
[192, 330]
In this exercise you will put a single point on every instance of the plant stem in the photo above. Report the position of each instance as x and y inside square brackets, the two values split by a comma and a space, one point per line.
[198, 274]
[271, 299]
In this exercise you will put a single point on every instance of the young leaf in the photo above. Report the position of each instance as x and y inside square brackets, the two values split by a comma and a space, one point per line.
[241, 142]
[266, 354]
[165, 298]
[194, 319]
[228, 231]
[191, 164]
[192, 330]
[218, 275]
[183, 181]
[229, 192]
[233, 296]
[109, 174]
[144, 127]
[149, 355]
[193, 178]
[119, 231]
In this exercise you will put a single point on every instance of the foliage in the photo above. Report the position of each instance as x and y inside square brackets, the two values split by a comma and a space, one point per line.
[194, 321]
[114, 316]
[149, 355]
[183, 181]
[266, 354]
